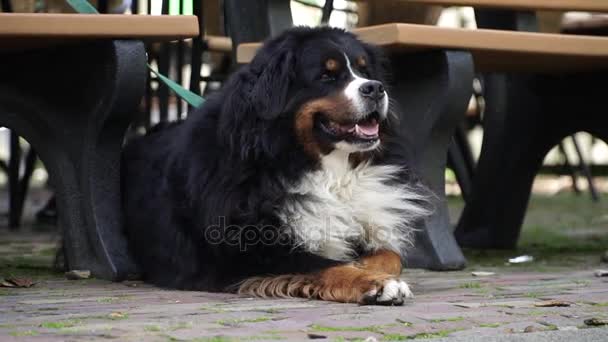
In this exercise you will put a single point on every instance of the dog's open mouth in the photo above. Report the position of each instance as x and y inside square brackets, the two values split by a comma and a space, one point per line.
[365, 130]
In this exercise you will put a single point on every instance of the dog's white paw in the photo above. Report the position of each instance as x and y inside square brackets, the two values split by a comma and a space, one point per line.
[392, 292]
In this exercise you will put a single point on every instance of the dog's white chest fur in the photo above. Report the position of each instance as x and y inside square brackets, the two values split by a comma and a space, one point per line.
[338, 208]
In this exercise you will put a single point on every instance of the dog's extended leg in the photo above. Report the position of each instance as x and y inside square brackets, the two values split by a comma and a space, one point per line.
[371, 280]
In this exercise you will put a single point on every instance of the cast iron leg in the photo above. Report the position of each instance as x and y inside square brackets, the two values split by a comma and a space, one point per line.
[526, 116]
[14, 166]
[461, 160]
[75, 114]
[433, 90]
[586, 170]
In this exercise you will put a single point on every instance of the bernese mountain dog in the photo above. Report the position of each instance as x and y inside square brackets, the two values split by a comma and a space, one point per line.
[289, 182]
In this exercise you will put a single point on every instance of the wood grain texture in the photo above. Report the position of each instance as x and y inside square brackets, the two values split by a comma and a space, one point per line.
[550, 5]
[493, 50]
[26, 31]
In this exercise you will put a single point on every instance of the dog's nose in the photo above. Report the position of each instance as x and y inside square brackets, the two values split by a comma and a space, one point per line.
[372, 89]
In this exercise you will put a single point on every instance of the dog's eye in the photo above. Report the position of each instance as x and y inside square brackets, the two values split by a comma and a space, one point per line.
[326, 78]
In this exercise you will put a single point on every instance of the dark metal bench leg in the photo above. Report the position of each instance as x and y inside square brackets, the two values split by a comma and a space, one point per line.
[75, 115]
[14, 168]
[461, 161]
[526, 116]
[433, 90]
[586, 170]
[569, 167]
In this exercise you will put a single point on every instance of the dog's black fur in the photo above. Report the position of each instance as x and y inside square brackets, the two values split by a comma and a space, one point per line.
[230, 162]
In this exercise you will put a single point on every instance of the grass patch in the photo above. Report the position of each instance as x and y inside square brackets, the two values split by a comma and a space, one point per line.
[430, 335]
[324, 328]
[152, 328]
[209, 339]
[108, 300]
[489, 325]
[471, 285]
[233, 322]
[600, 304]
[560, 231]
[48, 252]
[212, 309]
[181, 326]
[61, 324]
[395, 337]
[24, 333]
[405, 323]
[451, 319]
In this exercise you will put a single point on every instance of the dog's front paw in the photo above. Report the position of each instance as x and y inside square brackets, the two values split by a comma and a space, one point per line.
[390, 292]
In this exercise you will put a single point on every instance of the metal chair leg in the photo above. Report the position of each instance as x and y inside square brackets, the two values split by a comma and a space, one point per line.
[584, 167]
[14, 167]
[569, 167]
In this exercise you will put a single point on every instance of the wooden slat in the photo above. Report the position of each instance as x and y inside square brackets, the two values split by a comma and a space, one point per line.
[547, 5]
[219, 44]
[27, 31]
[492, 50]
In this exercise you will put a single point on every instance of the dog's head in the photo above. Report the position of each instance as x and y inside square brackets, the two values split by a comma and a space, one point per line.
[325, 84]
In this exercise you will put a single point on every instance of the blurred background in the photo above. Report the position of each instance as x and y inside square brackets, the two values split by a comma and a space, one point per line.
[578, 166]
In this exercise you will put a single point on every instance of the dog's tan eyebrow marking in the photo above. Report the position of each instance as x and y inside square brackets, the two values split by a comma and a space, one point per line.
[361, 61]
[332, 64]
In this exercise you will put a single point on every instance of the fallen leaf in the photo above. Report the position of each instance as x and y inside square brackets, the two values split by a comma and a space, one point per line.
[521, 259]
[117, 315]
[17, 282]
[552, 303]
[596, 322]
[601, 273]
[78, 274]
[5, 283]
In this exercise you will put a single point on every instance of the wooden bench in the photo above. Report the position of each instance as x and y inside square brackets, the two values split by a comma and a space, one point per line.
[492, 50]
[530, 5]
[560, 63]
[70, 85]
[528, 113]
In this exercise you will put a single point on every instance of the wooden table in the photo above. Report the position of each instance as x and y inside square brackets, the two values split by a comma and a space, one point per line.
[70, 85]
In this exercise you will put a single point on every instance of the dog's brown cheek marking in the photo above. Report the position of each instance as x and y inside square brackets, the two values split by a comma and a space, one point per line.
[345, 283]
[336, 108]
[304, 131]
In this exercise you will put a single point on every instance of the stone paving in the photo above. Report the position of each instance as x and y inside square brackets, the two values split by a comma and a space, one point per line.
[511, 305]
[452, 304]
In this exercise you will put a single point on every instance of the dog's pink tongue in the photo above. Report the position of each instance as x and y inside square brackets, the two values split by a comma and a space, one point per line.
[369, 129]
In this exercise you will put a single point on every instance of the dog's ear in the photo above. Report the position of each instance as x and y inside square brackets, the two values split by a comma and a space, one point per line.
[275, 74]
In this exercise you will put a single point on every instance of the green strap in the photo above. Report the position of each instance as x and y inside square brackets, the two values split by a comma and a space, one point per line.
[186, 95]
[83, 6]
